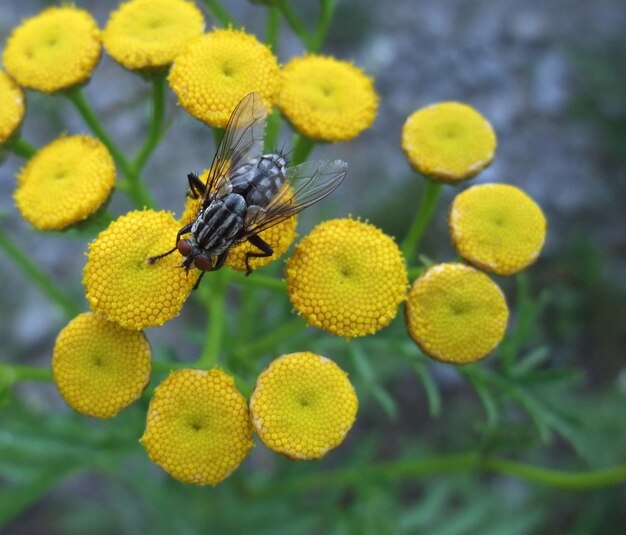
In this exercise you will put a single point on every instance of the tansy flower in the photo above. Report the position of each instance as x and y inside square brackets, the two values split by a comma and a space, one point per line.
[123, 285]
[497, 228]
[12, 106]
[456, 313]
[327, 99]
[65, 182]
[54, 50]
[303, 405]
[144, 34]
[347, 278]
[197, 428]
[448, 141]
[220, 68]
[99, 367]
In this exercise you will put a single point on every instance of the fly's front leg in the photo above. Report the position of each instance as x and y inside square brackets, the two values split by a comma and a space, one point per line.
[182, 231]
[196, 187]
[263, 246]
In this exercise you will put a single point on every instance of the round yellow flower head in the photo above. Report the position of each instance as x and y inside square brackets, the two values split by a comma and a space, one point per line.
[12, 106]
[123, 285]
[327, 99]
[144, 34]
[217, 70]
[65, 182]
[448, 141]
[303, 405]
[198, 429]
[54, 50]
[347, 277]
[99, 367]
[497, 227]
[456, 313]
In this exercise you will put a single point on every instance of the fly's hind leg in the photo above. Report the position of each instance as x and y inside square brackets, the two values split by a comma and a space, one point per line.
[196, 187]
[263, 246]
[182, 231]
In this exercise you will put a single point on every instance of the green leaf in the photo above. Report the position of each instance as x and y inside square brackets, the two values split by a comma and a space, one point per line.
[430, 388]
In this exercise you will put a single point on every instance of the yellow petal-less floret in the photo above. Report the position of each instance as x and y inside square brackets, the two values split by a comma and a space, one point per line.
[497, 227]
[99, 367]
[12, 106]
[347, 277]
[54, 50]
[198, 429]
[145, 34]
[65, 182]
[217, 70]
[303, 405]
[327, 99]
[123, 285]
[456, 313]
[449, 141]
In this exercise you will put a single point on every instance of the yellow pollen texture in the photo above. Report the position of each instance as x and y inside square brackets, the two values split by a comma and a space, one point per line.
[497, 227]
[12, 106]
[456, 313]
[347, 277]
[303, 405]
[99, 367]
[198, 428]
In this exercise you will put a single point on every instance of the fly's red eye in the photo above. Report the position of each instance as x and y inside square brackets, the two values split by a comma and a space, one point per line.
[183, 247]
[203, 263]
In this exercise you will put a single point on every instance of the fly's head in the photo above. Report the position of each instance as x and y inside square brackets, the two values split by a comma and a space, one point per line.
[193, 255]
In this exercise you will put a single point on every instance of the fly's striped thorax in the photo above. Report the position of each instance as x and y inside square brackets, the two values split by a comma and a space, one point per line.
[259, 180]
[219, 223]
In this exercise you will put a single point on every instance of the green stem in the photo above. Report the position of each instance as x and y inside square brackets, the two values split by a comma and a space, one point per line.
[327, 9]
[214, 297]
[156, 124]
[220, 13]
[271, 340]
[302, 147]
[18, 372]
[272, 28]
[260, 281]
[18, 145]
[422, 218]
[272, 131]
[295, 24]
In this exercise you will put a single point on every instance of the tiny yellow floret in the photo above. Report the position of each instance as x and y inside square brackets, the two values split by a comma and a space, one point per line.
[303, 405]
[449, 141]
[497, 227]
[12, 106]
[198, 429]
[54, 50]
[456, 313]
[99, 367]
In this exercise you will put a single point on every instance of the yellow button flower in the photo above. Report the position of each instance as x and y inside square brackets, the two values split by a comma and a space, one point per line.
[54, 50]
[145, 34]
[12, 106]
[347, 277]
[65, 182]
[121, 284]
[497, 227]
[448, 141]
[327, 99]
[220, 68]
[99, 367]
[303, 405]
[456, 313]
[198, 428]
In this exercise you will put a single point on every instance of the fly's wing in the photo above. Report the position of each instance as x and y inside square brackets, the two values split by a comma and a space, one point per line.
[242, 142]
[305, 185]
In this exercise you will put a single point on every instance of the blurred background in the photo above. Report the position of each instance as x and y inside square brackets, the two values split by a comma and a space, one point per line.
[550, 77]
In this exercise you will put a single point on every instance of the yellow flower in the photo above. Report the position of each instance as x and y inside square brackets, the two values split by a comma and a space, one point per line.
[197, 428]
[121, 284]
[347, 278]
[327, 99]
[145, 34]
[448, 141]
[65, 182]
[497, 228]
[303, 405]
[220, 68]
[54, 50]
[12, 106]
[99, 367]
[456, 313]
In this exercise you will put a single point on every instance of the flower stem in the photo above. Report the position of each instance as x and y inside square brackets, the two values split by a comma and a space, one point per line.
[220, 13]
[17, 372]
[327, 9]
[271, 340]
[302, 147]
[18, 145]
[260, 281]
[294, 23]
[272, 28]
[214, 297]
[422, 218]
[156, 123]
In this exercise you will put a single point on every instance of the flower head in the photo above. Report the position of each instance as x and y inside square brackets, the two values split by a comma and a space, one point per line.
[497, 227]
[456, 313]
[145, 34]
[65, 182]
[12, 106]
[220, 68]
[347, 277]
[303, 405]
[99, 367]
[54, 50]
[448, 141]
[327, 99]
[197, 428]
[122, 284]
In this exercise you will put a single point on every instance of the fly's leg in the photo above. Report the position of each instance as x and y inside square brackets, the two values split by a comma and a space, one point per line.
[263, 246]
[195, 286]
[218, 264]
[182, 231]
[196, 187]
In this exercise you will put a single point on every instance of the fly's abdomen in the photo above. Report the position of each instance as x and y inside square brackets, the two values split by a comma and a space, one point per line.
[216, 227]
[259, 181]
